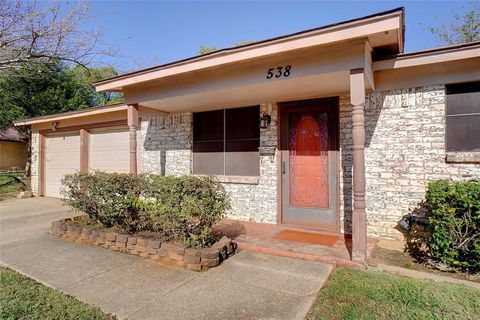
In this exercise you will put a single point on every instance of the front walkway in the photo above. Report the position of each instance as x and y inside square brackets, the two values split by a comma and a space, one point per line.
[247, 286]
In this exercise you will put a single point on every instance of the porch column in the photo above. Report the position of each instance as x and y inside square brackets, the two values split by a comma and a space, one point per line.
[132, 120]
[359, 219]
[83, 151]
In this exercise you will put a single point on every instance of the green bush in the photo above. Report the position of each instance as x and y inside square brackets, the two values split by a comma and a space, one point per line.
[454, 209]
[177, 208]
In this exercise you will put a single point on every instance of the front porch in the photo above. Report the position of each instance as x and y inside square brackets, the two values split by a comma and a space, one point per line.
[287, 241]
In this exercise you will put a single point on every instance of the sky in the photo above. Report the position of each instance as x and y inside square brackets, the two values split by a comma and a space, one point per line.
[156, 32]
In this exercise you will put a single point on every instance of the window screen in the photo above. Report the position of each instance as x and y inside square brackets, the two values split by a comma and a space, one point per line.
[463, 117]
[225, 142]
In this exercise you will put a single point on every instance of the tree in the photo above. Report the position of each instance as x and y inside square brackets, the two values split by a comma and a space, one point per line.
[204, 49]
[42, 89]
[463, 28]
[39, 89]
[43, 32]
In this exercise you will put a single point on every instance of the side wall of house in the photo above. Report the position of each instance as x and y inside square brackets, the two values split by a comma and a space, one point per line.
[405, 149]
[13, 155]
[167, 150]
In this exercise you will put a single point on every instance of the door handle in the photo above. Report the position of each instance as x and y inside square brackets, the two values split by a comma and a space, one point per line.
[283, 167]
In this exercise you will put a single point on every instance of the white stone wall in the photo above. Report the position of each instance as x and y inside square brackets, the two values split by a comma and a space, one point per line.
[258, 202]
[405, 149]
[35, 165]
[167, 144]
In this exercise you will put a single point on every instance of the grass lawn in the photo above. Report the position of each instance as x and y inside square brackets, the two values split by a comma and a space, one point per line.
[24, 298]
[10, 186]
[358, 294]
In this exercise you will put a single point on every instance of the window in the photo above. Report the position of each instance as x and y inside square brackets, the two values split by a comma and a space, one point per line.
[225, 142]
[463, 117]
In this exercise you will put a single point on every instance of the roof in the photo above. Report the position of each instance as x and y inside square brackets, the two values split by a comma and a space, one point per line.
[432, 50]
[12, 134]
[71, 114]
[429, 56]
[399, 11]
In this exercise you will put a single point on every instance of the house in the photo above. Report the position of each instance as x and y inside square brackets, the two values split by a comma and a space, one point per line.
[13, 149]
[334, 128]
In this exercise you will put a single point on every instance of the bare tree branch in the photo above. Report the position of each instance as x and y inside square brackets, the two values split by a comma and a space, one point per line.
[46, 32]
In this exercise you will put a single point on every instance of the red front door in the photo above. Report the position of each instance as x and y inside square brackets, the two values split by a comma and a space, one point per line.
[309, 134]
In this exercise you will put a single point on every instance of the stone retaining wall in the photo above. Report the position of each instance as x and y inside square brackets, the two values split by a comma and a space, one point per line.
[192, 259]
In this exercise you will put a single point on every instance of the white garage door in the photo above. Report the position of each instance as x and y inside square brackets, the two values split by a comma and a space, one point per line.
[109, 151]
[62, 156]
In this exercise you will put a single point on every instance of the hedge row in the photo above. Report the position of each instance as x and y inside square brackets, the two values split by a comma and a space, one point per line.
[177, 208]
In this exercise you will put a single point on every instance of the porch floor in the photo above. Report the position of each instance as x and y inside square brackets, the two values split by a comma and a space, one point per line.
[300, 243]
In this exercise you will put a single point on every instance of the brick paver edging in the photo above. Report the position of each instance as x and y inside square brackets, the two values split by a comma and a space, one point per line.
[192, 259]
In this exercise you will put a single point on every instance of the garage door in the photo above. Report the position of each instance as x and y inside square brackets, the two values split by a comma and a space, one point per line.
[109, 151]
[62, 156]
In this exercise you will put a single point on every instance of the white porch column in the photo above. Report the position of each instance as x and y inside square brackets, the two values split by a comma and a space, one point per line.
[132, 120]
[359, 219]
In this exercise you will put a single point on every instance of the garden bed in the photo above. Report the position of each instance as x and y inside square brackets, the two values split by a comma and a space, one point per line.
[146, 246]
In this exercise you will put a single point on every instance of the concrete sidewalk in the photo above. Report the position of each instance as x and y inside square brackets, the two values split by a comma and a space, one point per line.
[247, 286]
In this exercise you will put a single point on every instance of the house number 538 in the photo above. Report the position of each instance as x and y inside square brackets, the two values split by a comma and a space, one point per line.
[278, 72]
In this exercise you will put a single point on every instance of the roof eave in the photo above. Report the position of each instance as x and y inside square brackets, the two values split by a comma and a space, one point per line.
[431, 56]
[71, 114]
[117, 83]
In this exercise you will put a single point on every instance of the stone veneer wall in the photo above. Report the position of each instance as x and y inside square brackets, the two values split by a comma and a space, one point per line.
[167, 150]
[405, 148]
[166, 144]
[34, 165]
[258, 202]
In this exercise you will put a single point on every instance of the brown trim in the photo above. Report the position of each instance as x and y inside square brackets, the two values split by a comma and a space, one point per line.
[132, 120]
[359, 218]
[282, 137]
[427, 51]
[279, 169]
[84, 149]
[115, 123]
[148, 109]
[321, 104]
[41, 165]
[279, 165]
[72, 114]
[357, 71]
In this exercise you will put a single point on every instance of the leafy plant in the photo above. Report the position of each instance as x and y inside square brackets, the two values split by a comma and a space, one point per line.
[454, 209]
[177, 208]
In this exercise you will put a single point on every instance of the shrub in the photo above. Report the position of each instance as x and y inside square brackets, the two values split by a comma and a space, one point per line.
[454, 216]
[177, 208]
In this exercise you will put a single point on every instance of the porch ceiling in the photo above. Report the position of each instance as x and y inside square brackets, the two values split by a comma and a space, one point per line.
[327, 84]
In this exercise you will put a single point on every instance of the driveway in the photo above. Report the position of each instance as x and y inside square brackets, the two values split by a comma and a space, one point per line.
[246, 286]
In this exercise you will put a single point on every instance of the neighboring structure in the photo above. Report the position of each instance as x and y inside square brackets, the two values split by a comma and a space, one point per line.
[13, 149]
[332, 128]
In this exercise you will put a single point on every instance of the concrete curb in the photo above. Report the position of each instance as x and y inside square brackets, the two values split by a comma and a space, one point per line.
[422, 275]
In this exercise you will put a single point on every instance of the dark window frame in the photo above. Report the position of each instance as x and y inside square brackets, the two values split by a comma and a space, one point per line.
[238, 135]
[466, 113]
